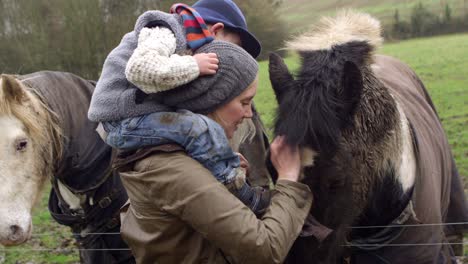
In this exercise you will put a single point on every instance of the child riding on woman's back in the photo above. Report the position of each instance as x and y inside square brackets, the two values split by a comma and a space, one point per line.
[130, 100]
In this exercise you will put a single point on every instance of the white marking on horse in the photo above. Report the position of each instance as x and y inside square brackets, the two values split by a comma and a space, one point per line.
[407, 162]
[307, 159]
[74, 201]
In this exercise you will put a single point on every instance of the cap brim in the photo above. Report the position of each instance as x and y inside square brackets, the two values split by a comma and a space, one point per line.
[249, 42]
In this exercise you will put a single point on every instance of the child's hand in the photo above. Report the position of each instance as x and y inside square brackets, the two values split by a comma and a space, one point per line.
[244, 163]
[207, 63]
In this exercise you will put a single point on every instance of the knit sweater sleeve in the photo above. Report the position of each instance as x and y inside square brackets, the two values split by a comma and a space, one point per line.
[153, 66]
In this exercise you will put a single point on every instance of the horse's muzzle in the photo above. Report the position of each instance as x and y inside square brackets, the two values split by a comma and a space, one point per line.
[15, 235]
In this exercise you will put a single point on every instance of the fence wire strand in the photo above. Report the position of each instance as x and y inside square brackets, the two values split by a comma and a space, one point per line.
[126, 249]
[405, 245]
[61, 249]
[4, 250]
[411, 225]
[351, 227]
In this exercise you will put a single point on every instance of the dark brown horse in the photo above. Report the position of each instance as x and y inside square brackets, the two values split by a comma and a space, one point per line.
[382, 174]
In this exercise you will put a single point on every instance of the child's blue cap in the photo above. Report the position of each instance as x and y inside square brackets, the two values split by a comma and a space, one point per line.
[228, 13]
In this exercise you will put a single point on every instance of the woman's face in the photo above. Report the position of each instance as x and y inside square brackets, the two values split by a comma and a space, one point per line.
[230, 115]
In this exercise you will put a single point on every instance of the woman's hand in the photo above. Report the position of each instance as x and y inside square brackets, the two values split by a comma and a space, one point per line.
[286, 159]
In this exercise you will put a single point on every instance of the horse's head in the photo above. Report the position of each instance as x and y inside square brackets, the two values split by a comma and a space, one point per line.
[335, 104]
[336, 107]
[315, 107]
[26, 153]
[320, 103]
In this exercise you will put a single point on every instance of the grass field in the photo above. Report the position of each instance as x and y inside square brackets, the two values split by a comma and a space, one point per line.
[295, 12]
[442, 64]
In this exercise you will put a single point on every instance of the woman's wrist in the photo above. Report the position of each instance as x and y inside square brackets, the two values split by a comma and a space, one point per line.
[288, 176]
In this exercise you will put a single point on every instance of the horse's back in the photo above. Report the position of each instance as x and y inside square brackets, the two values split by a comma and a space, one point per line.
[438, 195]
[66, 94]
[46, 78]
[432, 148]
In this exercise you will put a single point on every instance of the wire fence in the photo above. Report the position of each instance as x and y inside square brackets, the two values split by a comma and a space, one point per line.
[61, 249]
[126, 249]
[351, 227]
[410, 225]
[346, 245]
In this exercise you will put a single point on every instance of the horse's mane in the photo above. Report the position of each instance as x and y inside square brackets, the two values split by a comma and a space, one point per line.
[347, 26]
[40, 122]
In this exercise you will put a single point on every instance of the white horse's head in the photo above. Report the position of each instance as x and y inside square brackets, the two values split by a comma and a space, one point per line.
[27, 153]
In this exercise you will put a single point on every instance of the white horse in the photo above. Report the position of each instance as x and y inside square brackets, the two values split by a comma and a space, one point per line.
[28, 132]
[45, 135]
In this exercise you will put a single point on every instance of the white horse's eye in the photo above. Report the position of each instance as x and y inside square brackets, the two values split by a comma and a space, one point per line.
[21, 145]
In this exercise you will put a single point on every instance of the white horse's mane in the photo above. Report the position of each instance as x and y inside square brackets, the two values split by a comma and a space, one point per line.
[39, 121]
[347, 26]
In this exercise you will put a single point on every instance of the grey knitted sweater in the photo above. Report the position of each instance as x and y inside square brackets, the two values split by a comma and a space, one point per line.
[115, 98]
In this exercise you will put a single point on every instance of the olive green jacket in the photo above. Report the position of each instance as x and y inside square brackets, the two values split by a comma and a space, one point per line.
[179, 213]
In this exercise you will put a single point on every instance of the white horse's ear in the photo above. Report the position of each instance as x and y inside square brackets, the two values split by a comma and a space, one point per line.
[11, 88]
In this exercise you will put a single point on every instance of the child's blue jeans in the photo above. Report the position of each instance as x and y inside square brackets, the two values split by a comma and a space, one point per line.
[203, 139]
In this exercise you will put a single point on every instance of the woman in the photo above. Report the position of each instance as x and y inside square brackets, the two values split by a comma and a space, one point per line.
[179, 212]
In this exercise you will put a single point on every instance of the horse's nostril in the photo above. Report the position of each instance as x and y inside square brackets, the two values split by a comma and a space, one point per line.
[14, 229]
[15, 233]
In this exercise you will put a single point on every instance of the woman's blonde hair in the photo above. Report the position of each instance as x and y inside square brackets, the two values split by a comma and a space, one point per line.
[244, 133]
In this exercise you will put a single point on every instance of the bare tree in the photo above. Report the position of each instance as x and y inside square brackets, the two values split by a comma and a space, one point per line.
[76, 36]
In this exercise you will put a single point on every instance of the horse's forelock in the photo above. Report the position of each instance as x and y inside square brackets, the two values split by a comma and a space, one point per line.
[347, 26]
[23, 109]
[313, 112]
[39, 122]
[307, 116]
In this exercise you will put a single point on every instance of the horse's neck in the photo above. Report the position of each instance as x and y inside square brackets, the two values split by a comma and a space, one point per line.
[386, 121]
[74, 201]
[394, 182]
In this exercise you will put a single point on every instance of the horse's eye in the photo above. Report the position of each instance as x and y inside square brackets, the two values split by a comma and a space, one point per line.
[21, 145]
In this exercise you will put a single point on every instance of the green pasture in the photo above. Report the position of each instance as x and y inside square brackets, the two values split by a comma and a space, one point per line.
[442, 64]
[300, 13]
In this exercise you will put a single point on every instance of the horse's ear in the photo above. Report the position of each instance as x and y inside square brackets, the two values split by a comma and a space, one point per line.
[280, 77]
[11, 88]
[352, 87]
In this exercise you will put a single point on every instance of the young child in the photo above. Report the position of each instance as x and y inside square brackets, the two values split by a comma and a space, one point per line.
[158, 64]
